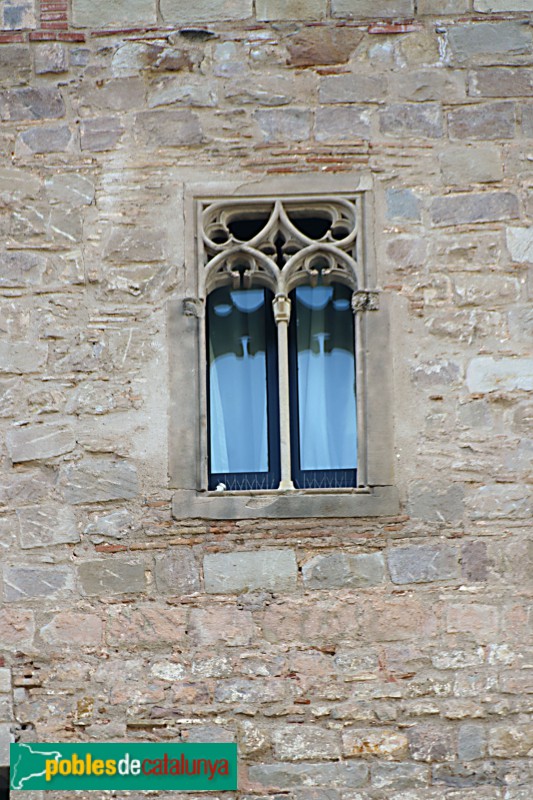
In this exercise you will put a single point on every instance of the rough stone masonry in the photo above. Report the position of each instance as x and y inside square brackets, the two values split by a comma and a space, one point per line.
[354, 659]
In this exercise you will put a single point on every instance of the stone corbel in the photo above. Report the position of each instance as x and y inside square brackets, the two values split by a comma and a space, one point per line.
[193, 307]
[365, 300]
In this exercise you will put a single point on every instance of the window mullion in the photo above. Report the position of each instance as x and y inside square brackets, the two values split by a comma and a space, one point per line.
[282, 312]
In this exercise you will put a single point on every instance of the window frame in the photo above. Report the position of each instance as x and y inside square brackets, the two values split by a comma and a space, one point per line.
[188, 393]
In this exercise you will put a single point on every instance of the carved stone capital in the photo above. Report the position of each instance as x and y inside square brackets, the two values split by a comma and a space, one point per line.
[282, 308]
[365, 300]
[193, 307]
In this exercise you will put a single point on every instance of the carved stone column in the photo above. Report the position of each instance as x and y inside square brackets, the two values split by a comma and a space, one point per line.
[282, 314]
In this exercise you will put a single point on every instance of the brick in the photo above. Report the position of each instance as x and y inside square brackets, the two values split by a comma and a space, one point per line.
[285, 776]
[93, 13]
[412, 119]
[488, 374]
[55, 139]
[23, 583]
[321, 46]
[18, 15]
[98, 480]
[500, 501]
[150, 624]
[168, 128]
[462, 165]
[111, 577]
[431, 743]
[501, 82]
[219, 624]
[511, 741]
[488, 38]
[32, 442]
[182, 12]
[399, 776]
[281, 124]
[424, 563]
[46, 525]
[246, 571]
[344, 123]
[305, 742]
[341, 569]
[17, 628]
[403, 204]
[488, 121]
[434, 503]
[176, 571]
[74, 630]
[31, 103]
[520, 244]
[384, 743]
[50, 58]
[101, 133]
[351, 88]
[478, 621]
[465, 209]
[374, 9]
[290, 9]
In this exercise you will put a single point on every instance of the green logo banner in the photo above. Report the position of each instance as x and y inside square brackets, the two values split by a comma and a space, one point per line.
[181, 767]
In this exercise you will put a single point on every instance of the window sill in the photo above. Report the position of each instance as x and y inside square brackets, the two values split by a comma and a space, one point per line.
[374, 501]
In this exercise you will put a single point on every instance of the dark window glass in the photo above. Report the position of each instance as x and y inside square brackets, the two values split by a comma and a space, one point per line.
[242, 390]
[323, 402]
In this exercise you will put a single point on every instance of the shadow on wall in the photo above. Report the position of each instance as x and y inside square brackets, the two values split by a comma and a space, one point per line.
[4, 783]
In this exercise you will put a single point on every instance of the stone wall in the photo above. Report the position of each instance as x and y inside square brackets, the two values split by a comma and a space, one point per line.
[352, 660]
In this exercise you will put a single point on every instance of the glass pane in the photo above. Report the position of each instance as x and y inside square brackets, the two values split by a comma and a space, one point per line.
[326, 378]
[238, 421]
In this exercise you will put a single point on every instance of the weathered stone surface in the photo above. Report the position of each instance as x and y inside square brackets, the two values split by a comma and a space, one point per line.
[5, 680]
[468, 208]
[376, 9]
[115, 526]
[501, 82]
[147, 624]
[111, 577]
[50, 57]
[345, 124]
[478, 621]
[117, 94]
[101, 133]
[467, 41]
[130, 243]
[474, 562]
[17, 627]
[174, 90]
[403, 204]
[511, 741]
[98, 480]
[350, 88]
[520, 244]
[18, 269]
[463, 165]
[322, 46]
[33, 442]
[488, 121]
[471, 742]
[399, 776]
[44, 140]
[210, 626]
[18, 183]
[423, 563]
[73, 630]
[239, 571]
[120, 13]
[488, 374]
[385, 743]
[440, 7]
[434, 502]
[15, 66]
[46, 525]
[25, 583]
[31, 103]
[18, 15]
[431, 743]
[417, 119]
[6, 737]
[180, 11]
[428, 84]
[490, 6]
[70, 188]
[342, 569]
[290, 9]
[397, 619]
[176, 571]
[169, 128]
[305, 742]
[285, 776]
[500, 501]
[279, 124]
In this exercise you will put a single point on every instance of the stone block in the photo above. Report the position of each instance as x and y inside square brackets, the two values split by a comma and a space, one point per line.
[497, 6]
[120, 13]
[33, 442]
[18, 184]
[23, 583]
[399, 776]
[118, 94]
[22, 358]
[474, 562]
[432, 743]
[133, 243]
[50, 57]
[15, 66]
[342, 569]
[423, 564]
[176, 571]
[342, 123]
[470, 741]
[477, 621]
[73, 630]
[500, 501]
[6, 737]
[290, 9]
[322, 46]
[462, 165]
[31, 103]
[101, 133]
[397, 619]
[70, 188]
[98, 480]
[55, 139]
[46, 525]
[422, 120]
[23, 269]
[222, 625]
[511, 741]
[5, 680]
[424, 85]
[501, 82]
[271, 569]
[373, 9]
[18, 15]
[182, 12]
[406, 252]
[385, 743]
[17, 628]
[465, 209]
[285, 776]
[282, 124]
[168, 128]
[520, 244]
[403, 204]
[434, 503]
[488, 38]
[150, 624]
[111, 577]
[254, 691]
[439, 8]
[488, 374]
[351, 88]
[487, 121]
[305, 742]
[174, 90]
